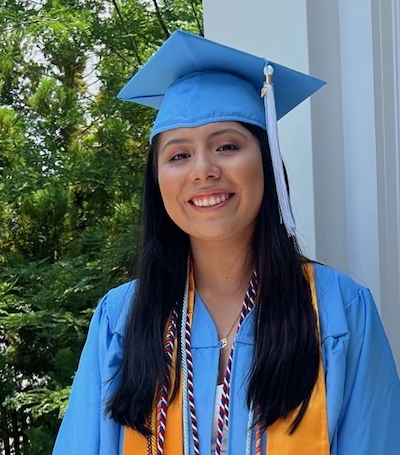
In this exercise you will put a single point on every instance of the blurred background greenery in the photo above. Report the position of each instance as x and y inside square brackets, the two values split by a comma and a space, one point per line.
[71, 164]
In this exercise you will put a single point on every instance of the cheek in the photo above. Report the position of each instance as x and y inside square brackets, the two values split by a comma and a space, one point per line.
[258, 191]
[255, 177]
[169, 189]
[164, 181]
[165, 190]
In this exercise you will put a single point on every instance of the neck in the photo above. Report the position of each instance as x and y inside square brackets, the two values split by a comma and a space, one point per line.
[221, 269]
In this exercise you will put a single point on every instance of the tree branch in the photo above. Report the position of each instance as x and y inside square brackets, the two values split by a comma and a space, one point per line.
[33, 21]
[196, 17]
[129, 35]
[161, 20]
[121, 56]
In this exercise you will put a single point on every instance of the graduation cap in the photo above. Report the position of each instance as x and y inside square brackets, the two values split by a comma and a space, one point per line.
[194, 81]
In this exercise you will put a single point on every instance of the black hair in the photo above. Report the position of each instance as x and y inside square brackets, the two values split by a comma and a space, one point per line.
[286, 351]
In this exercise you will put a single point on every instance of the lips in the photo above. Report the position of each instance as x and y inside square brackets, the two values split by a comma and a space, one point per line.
[210, 201]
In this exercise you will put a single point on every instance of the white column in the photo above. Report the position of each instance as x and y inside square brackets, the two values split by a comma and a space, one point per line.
[386, 41]
[355, 45]
[345, 173]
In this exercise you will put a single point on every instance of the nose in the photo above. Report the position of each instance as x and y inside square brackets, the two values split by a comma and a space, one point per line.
[204, 167]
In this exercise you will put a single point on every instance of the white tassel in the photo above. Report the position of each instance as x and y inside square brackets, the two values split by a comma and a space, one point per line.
[285, 209]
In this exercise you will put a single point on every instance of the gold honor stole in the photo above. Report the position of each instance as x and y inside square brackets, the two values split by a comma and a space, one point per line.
[311, 436]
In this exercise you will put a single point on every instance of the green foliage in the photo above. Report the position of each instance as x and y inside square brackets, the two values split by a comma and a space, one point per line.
[71, 164]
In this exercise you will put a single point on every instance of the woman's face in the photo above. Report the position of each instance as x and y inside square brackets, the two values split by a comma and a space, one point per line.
[211, 179]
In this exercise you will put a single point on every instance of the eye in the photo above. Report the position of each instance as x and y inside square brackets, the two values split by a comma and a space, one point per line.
[179, 156]
[227, 147]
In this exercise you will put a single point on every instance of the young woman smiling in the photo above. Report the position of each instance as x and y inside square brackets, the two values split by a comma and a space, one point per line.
[198, 165]
[229, 341]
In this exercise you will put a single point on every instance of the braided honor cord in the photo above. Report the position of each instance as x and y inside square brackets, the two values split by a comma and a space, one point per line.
[187, 379]
[163, 398]
[223, 417]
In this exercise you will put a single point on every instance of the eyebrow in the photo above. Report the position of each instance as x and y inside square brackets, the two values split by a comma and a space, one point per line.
[226, 130]
[175, 141]
[210, 136]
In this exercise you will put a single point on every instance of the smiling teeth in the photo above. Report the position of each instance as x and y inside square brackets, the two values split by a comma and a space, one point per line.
[210, 201]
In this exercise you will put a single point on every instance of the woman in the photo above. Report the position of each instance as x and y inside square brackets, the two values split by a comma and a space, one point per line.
[230, 341]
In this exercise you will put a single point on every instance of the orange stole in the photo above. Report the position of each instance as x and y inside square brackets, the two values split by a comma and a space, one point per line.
[136, 444]
[311, 437]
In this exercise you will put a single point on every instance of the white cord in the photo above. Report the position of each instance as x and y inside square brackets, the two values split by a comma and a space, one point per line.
[185, 400]
[249, 435]
[285, 209]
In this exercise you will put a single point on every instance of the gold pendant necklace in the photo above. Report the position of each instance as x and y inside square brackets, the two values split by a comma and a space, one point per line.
[223, 342]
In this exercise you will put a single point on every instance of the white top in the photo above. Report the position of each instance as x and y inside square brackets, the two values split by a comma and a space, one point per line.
[217, 404]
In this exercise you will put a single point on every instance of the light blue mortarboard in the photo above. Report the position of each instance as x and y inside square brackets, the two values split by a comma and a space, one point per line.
[194, 81]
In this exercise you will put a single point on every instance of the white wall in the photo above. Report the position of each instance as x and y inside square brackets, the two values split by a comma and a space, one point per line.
[386, 51]
[342, 148]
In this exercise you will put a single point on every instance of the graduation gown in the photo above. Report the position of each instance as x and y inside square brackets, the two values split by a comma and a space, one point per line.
[363, 388]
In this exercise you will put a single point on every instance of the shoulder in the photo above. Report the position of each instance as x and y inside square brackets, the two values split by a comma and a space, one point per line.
[332, 282]
[115, 306]
[340, 300]
[85, 428]
[362, 384]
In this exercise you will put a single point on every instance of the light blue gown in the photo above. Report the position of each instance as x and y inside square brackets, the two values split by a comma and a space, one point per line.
[363, 388]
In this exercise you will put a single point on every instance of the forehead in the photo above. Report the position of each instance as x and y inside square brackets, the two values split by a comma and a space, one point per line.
[202, 132]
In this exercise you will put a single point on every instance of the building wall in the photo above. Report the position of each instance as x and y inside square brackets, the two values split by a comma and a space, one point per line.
[342, 148]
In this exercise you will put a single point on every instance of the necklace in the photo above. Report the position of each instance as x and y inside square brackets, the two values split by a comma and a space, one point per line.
[223, 342]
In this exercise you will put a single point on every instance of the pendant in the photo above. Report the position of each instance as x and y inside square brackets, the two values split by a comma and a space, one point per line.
[223, 343]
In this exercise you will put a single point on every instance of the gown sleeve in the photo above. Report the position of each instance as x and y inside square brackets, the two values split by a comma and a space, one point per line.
[85, 429]
[363, 387]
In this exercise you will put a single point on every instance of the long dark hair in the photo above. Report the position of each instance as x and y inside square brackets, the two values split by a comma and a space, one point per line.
[286, 350]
